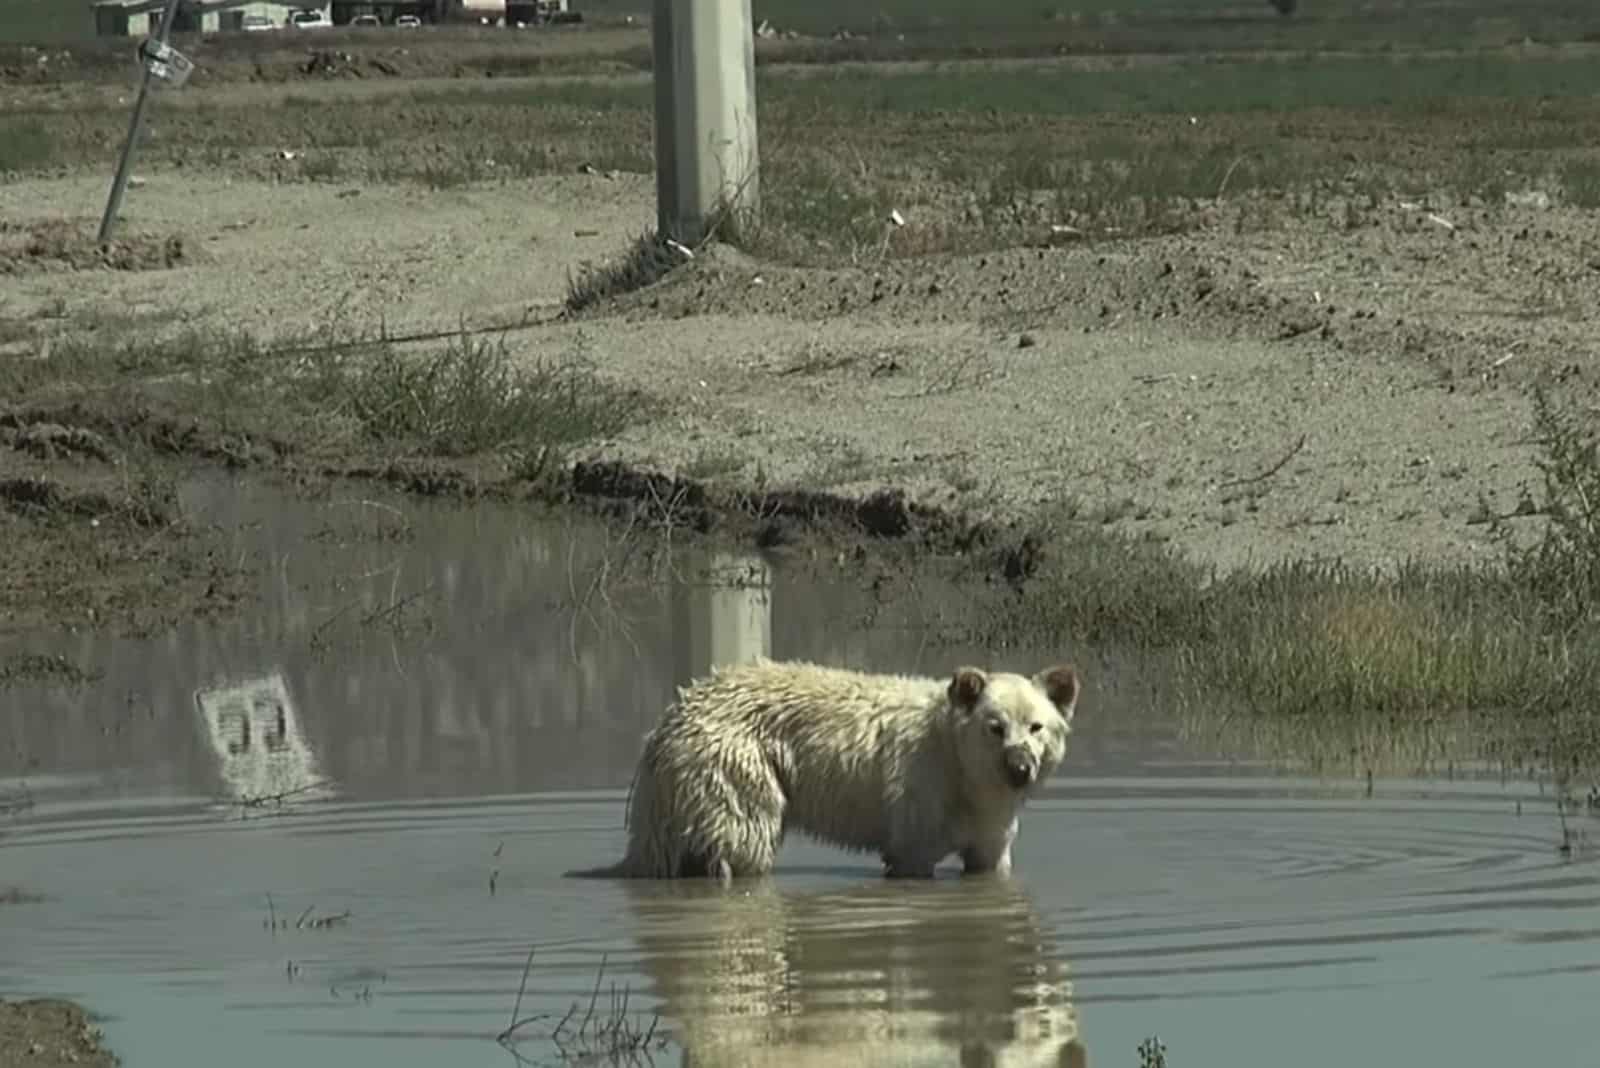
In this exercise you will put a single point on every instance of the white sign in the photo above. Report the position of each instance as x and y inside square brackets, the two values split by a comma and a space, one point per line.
[165, 62]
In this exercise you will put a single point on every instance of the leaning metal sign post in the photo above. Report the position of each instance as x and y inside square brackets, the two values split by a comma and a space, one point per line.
[159, 60]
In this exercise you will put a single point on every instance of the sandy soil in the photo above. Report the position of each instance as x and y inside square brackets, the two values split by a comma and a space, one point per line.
[1328, 384]
[49, 1033]
[275, 258]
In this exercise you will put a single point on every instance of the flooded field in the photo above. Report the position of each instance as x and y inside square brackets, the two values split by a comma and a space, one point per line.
[332, 835]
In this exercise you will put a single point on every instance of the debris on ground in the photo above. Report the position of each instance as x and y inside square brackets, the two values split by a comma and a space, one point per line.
[71, 244]
[1528, 198]
[50, 1033]
[331, 63]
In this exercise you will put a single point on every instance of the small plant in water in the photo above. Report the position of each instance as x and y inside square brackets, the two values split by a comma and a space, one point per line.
[1152, 1054]
[592, 1033]
[304, 921]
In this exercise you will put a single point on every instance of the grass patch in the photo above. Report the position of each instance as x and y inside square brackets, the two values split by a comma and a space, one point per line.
[1561, 571]
[1327, 653]
[1097, 24]
[25, 144]
[973, 157]
[103, 542]
[1581, 181]
[1202, 87]
[467, 397]
[1173, 26]
[646, 261]
[97, 546]
[44, 669]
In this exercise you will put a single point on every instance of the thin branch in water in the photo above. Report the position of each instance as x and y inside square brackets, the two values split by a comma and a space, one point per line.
[516, 1007]
[262, 800]
[615, 1038]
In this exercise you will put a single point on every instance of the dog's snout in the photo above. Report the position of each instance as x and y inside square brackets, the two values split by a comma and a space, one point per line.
[1019, 767]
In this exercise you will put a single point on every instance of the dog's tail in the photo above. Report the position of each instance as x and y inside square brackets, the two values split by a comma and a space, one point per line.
[639, 821]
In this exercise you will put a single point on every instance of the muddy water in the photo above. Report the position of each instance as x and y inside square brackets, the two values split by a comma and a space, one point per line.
[438, 714]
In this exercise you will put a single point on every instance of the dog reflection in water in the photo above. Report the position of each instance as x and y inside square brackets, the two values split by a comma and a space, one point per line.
[954, 972]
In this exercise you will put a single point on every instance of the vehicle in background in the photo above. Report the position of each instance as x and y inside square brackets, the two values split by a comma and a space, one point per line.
[368, 19]
[256, 24]
[407, 22]
[521, 13]
[307, 19]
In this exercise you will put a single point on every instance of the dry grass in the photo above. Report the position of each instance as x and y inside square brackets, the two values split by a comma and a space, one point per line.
[358, 398]
[971, 156]
[1326, 651]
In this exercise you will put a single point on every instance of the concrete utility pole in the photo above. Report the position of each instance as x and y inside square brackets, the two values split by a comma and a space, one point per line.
[705, 79]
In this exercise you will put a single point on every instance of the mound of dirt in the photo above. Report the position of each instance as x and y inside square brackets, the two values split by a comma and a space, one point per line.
[70, 245]
[50, 1033]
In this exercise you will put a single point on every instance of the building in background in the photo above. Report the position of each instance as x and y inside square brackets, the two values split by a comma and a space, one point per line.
[139, 18]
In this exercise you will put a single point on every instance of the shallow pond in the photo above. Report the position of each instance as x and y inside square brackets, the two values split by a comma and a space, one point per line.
[332, 834]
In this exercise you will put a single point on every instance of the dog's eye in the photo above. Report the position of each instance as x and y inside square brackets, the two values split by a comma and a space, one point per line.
[1036, 728]
[997, 729]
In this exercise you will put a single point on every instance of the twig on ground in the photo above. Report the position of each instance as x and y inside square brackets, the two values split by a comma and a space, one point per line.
[1269, 472]
[1498, 517]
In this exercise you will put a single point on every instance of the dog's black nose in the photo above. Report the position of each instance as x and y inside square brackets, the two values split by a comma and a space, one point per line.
[1019, 769]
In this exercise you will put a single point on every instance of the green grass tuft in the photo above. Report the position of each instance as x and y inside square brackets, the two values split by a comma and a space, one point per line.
[470, 397]
[647, 260]
[1324, 652]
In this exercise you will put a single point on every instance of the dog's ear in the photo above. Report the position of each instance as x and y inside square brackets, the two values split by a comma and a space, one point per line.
[1060, 684]
[966, 686]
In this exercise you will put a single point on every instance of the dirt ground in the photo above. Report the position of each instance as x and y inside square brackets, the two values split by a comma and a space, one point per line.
[49, 1033]
[1247, 394]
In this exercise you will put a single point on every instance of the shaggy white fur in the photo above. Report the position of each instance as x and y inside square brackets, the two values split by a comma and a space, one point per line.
[914, 769]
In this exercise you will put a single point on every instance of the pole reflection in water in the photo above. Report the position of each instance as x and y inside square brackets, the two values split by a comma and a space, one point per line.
[726, 617]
